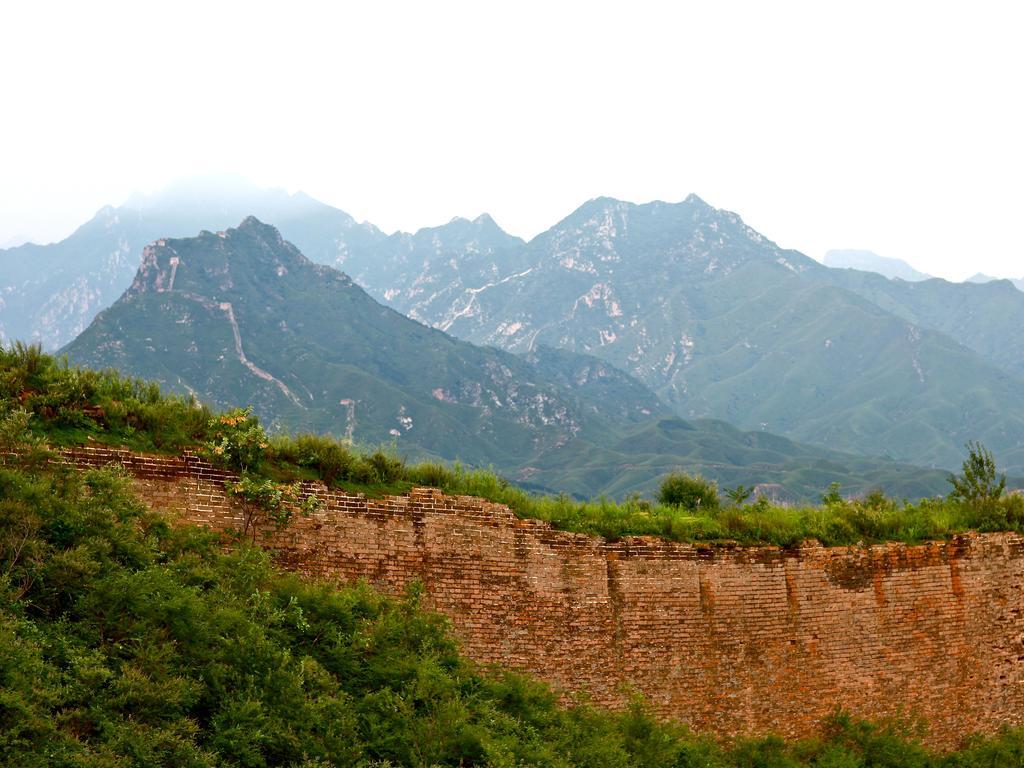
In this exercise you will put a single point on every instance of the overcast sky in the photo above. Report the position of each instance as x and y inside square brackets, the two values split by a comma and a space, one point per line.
[894, 127]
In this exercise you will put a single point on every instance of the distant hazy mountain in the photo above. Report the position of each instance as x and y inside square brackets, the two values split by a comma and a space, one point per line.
[13, 241]
[722, 323]
[242, 317]
[50, 293]
[872, 262]
[981, 278]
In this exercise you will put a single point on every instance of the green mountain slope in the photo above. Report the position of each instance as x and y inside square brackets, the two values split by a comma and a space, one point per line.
[715, 318]
[708, 313]
[723, 323]
[988, 318]
[243, 317]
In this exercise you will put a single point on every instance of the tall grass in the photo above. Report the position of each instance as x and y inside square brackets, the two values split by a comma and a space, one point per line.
[74, 406]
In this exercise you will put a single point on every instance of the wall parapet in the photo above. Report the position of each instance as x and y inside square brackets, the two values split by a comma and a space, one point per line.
[728, 639]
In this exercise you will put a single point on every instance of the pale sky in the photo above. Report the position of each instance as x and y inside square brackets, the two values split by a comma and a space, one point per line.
[893, 126]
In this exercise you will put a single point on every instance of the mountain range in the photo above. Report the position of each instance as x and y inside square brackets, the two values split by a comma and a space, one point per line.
[50, 293]
[711, 316]
[241, 316]
[867, 261]
[982, 278]
[722, 323]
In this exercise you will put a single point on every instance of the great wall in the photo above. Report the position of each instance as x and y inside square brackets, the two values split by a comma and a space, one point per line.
[729, 640]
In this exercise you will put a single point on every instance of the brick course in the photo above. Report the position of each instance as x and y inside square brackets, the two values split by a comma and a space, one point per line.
[730, 640]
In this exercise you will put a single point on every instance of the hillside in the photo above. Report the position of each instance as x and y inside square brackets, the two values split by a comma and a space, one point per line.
[986, 318]
[242, 317]
[103, 417]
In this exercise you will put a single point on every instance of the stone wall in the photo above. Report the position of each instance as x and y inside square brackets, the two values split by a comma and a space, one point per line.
[731, 640]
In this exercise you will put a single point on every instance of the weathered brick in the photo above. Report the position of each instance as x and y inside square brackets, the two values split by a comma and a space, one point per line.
[730, 640]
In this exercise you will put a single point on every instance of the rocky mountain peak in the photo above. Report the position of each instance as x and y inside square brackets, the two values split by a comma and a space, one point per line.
[253, 248]
[253, 226]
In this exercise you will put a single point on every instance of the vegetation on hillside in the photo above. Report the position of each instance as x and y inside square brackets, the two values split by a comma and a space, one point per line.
[250, 321]
[75, 406]
[125, 641]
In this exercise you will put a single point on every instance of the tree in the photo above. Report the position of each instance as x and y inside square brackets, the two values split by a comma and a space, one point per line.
[739, 494]
[832, 495]
[692, 492]
[979, 482]
[266, 502]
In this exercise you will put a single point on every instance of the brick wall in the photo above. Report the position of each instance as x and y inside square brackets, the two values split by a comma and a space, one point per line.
[731, 640]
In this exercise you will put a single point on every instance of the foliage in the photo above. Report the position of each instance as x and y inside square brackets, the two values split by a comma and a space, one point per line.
[127, 641]
[739, 495]
[104, 407]
[237, 441]
[73, 405]
[267, 502]
[979, 483]
[336, 463]
[832, 495]
[691, 492]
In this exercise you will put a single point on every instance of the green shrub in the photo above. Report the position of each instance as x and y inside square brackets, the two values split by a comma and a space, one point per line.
[832, 496]
[125, 640]
[68, 406]
[432, 474]
[331, 460]
[385, 468]
[237, 440]
[692, 492]
[267, 502]
[740, 494]
[979, 483]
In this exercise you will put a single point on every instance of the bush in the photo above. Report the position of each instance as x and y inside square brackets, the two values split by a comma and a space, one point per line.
[385, 468]
[979, 483]
[691, 492]
[432, 474]
[238, 441]
[740, 494]
[266, 502]
[331, 460]
[125, 640]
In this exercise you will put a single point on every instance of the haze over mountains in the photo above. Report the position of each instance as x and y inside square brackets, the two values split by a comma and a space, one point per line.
[710, 315]
[895, 269]
[866, 261]
[52, 292]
